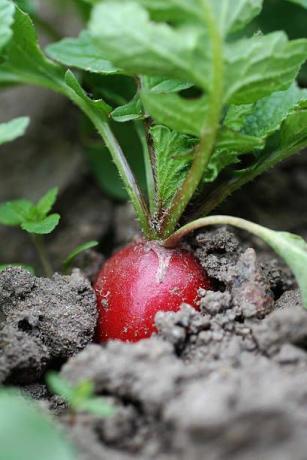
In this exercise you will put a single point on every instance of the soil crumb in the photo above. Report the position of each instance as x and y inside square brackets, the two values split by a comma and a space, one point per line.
[43, 322]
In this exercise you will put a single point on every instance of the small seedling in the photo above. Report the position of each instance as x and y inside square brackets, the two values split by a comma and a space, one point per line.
[213, 106]
[79, 398]
[35, 219]
[13, 129]
[76, 252]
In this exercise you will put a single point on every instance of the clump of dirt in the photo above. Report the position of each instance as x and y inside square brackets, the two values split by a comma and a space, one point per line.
[43, 322]
[170, 408]
[223, 383]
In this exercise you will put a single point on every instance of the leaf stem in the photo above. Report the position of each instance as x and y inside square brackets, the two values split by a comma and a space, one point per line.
[120, 161]
[173, 240]
[210, 128]
[291, 248]
[128, 178]
[42, 254]
[149, 171]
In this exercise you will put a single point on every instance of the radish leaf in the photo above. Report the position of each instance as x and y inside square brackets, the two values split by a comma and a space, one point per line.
[13, 129]
[150, 48]
[7, 9]
[260, 65]
[172, 159]
[81, 53]
[234, 16]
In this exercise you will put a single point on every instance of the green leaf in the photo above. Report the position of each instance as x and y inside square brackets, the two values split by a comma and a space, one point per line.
[172, 10]
[47, 202]
[14, 213]
[92, 108]
[81, 53]
[182, 115]
[79, 397]
[60, 386]
[266, 116]
[23, 266]
[287, 16]
[28, 6]
[24, 62]
[7, 9]
[78, 250]
[27, 433]
[230, 146]
[294, 131]
[288, 141]
[258, 66]
[299, 2]
[96, 406]
[43, 227]
[82, 392]
[162, 85]
[150, 48]
[131, 111]
[173, 156]
[233, 16]
[13, 129]
[84, 8]
[91, 2]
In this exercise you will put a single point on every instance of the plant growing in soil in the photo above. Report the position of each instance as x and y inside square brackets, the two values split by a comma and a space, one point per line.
[80, 398]
[213, 107]
[36, 220]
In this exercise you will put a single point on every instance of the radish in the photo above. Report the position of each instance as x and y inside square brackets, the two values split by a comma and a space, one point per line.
[189, 142]
[141, 280]
[199, 99]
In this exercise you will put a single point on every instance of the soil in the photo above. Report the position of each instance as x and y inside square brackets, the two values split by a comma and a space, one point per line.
[225, 383]
[43, 322]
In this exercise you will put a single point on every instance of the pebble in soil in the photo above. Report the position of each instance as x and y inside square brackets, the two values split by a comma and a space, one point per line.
[226, 383]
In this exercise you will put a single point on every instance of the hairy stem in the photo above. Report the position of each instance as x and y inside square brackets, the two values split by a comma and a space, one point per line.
[100, 121]
[120, 161]
[42, 254]
[149, 170]
[128, 178]
[210, 129]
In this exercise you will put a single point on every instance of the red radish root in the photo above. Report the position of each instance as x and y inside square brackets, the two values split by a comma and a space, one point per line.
[141, 280]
